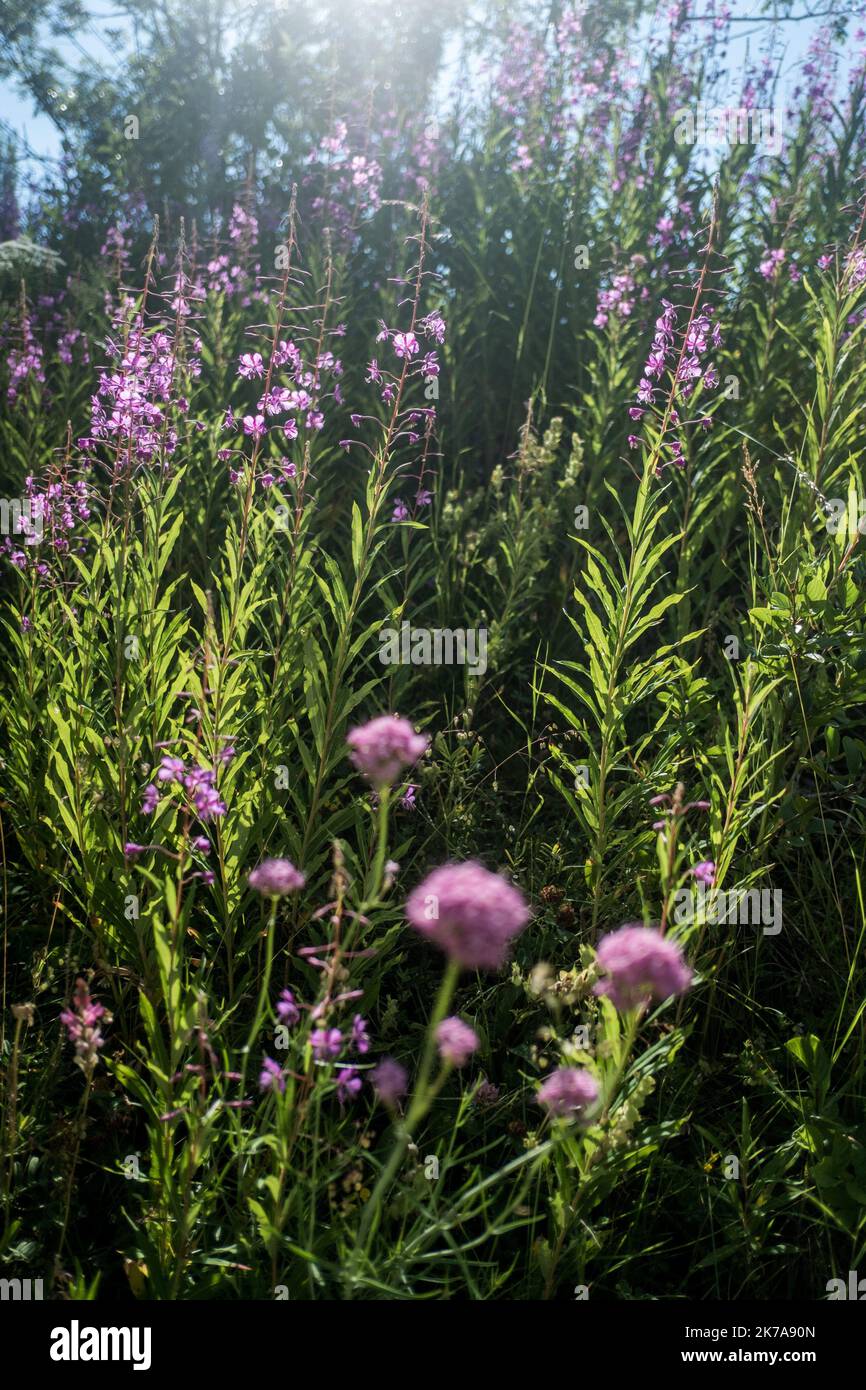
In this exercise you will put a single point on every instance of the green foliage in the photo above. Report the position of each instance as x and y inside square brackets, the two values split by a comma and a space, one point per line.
[688, 636]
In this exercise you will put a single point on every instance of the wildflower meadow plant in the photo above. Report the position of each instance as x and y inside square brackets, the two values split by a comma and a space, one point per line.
[335, 968]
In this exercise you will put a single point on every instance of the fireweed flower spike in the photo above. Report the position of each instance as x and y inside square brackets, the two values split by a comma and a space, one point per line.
[640, 965]
[568, 1092]
[275, 878]
[471, 914]
[82, 1024]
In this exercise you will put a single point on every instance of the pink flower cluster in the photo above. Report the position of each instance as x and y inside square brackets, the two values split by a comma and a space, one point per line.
[679, 354]
[471, 914]
[382, 748]
[390, 1081]
[456, 1041]
[300, 395]
[327, 1044]
[197, 785]
[350, 181]
[234, 273]
[82, 1027]
[25, 362]
[619, 299]
[275, 878]
[49, 518]
[640, 965]
[130, 408]
[568, 1092]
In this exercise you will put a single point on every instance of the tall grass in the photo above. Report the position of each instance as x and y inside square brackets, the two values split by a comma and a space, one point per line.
[673, 611]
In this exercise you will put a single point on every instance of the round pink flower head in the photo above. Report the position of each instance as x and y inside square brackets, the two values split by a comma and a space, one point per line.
[469, 913]
[568, 1091]
[640, 965]
[274, 878]
[389, 1080]
[382, 748]
[456, 1041]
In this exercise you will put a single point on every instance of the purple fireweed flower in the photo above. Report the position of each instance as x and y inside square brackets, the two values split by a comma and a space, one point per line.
[201, 843]
[456, 1041]
[287, 1010]
[136, 392]
[772, 262]
[130, 849]
[401, 511]
[275, 401]
[196, 777]
[382, 748]
[81, 1022]
[389, 1080]
[208, 802]
[433, 326]
[149, 799]
[360, 1038]
[568, 1092]
[251, 365]
[327, 1043]
[705, 872]
[348, 1084]
[640, 965]
[275, 878]
[271, 1077]
[255, 425]
[469, 913]
[170, 770]
[405, 344]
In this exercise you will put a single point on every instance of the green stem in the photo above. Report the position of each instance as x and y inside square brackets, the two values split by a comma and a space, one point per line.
[374, 881]
[421, 1102]
[262, 1003]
